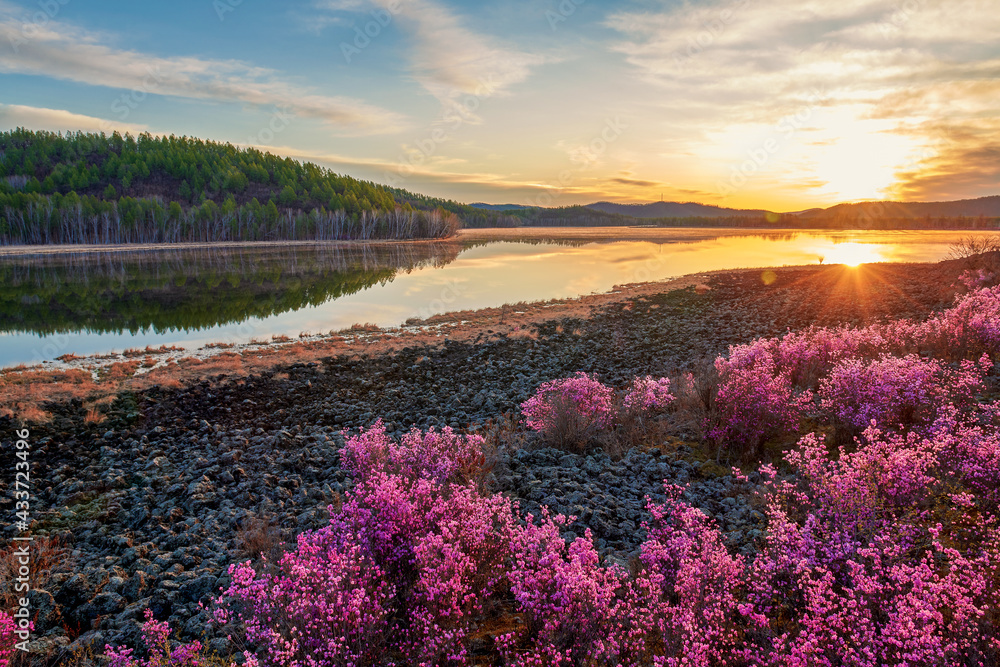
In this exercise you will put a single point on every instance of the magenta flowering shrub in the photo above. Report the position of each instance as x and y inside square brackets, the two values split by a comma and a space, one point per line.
[570, 411]
[156, 637]
[855, 570]
[809, 355]
[647, 394]
[688, 593]
[576, 611]
[573, 412]
[874, 604]
[407, 565]
[971, 453]
[895, 392]
[968, 330]
[331, 602]
[7, 638]
[975, 279]
[755, 399]
[441, 456]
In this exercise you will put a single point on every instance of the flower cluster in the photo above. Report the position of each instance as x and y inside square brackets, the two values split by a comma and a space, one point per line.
[688, 592]
[441, 456]
[762, 389]
[570, 408]
[755, 399]
[975, 279]
[7, 638]
[156, 637]
[406, 565]
[896, 391]
[571, 411]
[874, 559]
[574, 608]
[647, 394]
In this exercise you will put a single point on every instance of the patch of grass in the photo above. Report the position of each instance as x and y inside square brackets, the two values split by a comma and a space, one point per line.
[48, 557]
[124, 409]
[86, 506]
[118, 371]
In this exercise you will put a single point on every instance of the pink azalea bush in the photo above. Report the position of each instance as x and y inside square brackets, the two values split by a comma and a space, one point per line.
[441, 456]
[896, 391]
[575, 610]
[571, 412]
[7, 638]
[156, 637]
[408, 564]
[688, 592]
[856, 568]
[969, 329]
[755, 399]
[975, 279]
[681, 608]
[647, 394]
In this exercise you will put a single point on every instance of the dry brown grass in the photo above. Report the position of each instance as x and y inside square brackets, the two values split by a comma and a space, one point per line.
[282, 338]
[48, 557]
[260, 536]
[23, 392]
[163, 349]
[118, 371]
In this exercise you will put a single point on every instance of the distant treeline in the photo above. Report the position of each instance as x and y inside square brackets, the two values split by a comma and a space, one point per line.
[93, 188]
[582, 216]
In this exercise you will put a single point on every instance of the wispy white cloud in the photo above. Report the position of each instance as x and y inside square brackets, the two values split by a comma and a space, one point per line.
[446, 57]
[62, 51]
[57, 120]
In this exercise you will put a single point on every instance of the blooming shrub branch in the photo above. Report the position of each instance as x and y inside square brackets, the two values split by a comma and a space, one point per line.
[570, 413]
[156, 637]
[7, 638]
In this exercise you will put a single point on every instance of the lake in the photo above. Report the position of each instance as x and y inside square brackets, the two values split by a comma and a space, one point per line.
[99, 302]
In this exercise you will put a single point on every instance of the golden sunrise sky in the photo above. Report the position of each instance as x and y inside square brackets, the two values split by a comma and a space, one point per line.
[742, 103]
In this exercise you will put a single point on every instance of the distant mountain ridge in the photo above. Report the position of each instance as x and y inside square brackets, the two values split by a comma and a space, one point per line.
[983, 206]
[500, 207]
[669, 209]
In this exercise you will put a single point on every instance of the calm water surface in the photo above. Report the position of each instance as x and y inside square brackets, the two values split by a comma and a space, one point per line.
[87, 303]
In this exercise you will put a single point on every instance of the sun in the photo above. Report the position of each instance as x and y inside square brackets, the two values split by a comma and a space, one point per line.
[851, 254]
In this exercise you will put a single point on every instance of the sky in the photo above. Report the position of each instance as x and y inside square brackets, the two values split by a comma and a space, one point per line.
[775, 104]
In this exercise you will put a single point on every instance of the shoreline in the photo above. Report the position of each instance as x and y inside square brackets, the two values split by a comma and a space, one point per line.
[34, 250]
[512, 234]
[97, 379]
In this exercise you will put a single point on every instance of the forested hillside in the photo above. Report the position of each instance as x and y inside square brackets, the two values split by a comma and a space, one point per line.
[92, 188]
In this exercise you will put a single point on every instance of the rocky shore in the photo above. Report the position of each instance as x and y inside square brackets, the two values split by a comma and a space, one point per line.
[149, 507]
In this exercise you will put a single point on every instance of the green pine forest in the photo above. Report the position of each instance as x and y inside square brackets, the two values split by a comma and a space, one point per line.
[78, 188]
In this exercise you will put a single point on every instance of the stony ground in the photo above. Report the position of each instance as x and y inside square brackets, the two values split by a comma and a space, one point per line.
[152, 504]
